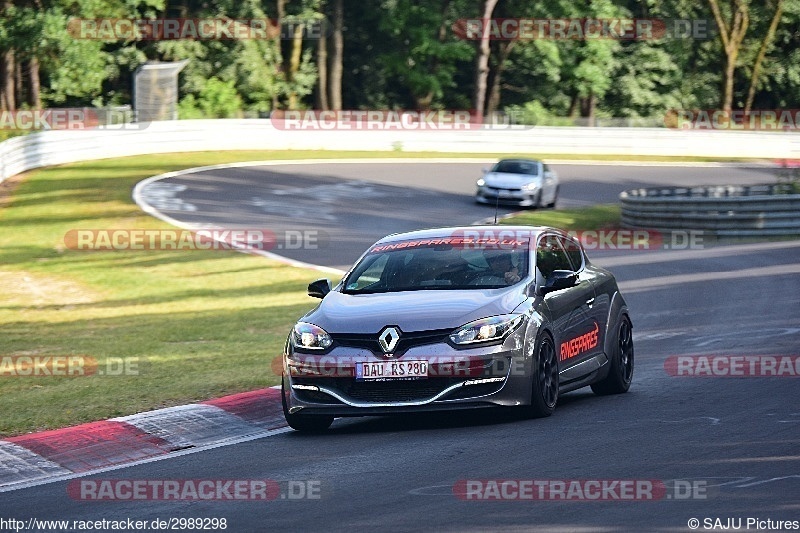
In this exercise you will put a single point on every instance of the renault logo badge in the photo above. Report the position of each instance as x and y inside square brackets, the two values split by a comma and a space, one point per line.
[388, 339]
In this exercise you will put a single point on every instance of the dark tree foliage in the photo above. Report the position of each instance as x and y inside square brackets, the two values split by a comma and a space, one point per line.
[414, 54]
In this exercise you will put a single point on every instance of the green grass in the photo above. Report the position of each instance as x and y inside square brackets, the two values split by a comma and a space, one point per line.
[7, 134]
[202, 324]
[584, 218]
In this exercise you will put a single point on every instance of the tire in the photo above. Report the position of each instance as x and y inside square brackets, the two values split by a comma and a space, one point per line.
[555, 198]
[304, 423]
[620, 374]
[544, 390]
[538, 203]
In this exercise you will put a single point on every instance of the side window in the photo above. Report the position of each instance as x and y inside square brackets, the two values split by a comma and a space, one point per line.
[574, 253]
[550, 256]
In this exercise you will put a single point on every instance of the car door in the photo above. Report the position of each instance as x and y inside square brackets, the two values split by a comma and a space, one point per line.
[568, 306]
[596, 304]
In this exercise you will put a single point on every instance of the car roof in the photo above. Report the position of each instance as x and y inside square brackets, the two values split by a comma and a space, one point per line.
[486, 230]
[520, 159]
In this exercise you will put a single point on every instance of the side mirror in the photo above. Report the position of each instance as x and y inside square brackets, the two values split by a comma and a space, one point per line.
[558, 280]
[532, 290]
[319, 288]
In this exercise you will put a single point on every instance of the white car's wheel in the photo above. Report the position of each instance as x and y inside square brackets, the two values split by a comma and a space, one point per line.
[555, 198]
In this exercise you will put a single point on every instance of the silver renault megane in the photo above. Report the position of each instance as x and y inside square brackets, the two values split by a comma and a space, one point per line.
[458, 318]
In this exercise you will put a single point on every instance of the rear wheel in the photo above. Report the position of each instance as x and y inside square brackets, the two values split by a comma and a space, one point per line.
[304, 423]
[544, 393]
[620, 374]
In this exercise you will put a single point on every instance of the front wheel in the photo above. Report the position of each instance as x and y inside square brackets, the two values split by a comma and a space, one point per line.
[555, 198]
[537, 203]
[620, 374]
[304, 423]
[544, 392]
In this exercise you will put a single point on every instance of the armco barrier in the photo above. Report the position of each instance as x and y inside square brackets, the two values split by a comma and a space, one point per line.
[20, 154]
[728, 211]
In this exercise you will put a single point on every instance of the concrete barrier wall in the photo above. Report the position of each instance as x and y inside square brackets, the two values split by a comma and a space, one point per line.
[24, 153]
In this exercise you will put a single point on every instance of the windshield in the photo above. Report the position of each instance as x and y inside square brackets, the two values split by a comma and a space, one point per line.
[530, 168]
[407, 266]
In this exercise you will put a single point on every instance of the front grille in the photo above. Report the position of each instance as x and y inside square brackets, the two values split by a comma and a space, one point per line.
[407, 340]
[498, 189]
[383, 391]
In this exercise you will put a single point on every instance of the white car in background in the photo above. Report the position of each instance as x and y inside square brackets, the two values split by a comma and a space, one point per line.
[522, 182]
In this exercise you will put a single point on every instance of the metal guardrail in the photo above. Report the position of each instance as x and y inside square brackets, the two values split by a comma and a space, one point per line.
[723, 211]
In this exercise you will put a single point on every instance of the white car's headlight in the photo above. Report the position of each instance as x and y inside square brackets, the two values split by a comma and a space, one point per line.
[310, 337]
[481, 182]
[532, 186]
[486, 329]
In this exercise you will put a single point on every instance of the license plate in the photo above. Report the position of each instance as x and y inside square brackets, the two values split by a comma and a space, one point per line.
[504, 193]
[391, 370]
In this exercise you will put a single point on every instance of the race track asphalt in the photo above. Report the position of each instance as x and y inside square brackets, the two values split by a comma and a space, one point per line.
[735, 439]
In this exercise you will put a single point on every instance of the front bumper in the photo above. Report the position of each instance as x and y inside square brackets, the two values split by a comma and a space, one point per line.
[518, 197]
[458, 379]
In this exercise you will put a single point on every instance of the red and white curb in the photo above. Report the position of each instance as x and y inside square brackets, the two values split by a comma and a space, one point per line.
[38, 458]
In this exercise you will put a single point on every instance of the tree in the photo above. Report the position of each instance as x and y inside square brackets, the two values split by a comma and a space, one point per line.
[482, 60]
[731, 34]
[337, 57]
[423, 58]
[769, 37]
[405, 53]
[536, 51]
[322, 65]
[7, 68]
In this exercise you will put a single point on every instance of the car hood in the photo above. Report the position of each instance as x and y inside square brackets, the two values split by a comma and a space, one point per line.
[501, 179]
[411, 310]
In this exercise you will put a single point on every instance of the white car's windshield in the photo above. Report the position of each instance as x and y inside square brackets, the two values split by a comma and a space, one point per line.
[529, 168]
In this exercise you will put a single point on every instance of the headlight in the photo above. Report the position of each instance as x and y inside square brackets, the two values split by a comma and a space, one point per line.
[530, 186]
[310, 337]
[481, 182]
[486, 329]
